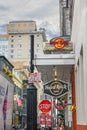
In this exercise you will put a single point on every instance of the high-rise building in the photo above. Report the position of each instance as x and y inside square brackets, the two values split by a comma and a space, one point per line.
[4, 45]
[64, 6]
[20, 40]
[19, 52]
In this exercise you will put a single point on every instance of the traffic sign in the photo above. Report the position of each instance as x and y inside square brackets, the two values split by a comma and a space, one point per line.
[45, 119]
[45, 106]
[34, 77]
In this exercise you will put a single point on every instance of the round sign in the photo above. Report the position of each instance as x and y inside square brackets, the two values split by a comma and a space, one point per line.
[56, 88]
[59, 43]
[45, 106]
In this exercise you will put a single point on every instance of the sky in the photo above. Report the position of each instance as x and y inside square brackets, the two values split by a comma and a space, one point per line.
[44, 12]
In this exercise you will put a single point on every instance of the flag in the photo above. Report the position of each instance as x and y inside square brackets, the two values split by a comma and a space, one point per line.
[5, 108]
[19, 101]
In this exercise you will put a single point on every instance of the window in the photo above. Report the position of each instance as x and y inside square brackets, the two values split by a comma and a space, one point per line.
[24, 24]
[12, 30]
[12, 25]
[12, 46]
[18, 29]
[38, 45]
[19, 45]
[19, 51]
[19, 24]
[12, 56]
[38, 50]
[19, 56]
[24, 30]
[37, 35]
[12, 36]
[12, 40]
[12, 51]
[38, 40]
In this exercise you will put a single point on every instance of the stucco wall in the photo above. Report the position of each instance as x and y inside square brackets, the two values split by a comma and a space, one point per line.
[79, 38]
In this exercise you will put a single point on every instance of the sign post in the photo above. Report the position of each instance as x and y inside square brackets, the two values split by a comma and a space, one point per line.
[32, 96]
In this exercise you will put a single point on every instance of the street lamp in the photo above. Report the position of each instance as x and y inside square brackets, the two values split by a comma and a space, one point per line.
[32, 96]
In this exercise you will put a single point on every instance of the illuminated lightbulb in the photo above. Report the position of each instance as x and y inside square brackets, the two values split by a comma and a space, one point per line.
[55, 74]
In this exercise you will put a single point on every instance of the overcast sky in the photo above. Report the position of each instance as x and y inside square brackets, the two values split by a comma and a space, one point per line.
[44, 12]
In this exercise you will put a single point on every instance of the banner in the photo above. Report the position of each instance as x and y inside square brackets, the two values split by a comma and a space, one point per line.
[6, 103]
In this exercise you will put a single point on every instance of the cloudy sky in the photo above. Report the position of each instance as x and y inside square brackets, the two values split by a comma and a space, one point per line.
[44, 12]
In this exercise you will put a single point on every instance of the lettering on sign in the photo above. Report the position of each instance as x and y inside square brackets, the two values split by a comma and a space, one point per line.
[34, 77]
[56, 88]
[45, 105]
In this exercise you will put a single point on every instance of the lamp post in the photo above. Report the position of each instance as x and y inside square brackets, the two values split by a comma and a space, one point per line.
[32, 96]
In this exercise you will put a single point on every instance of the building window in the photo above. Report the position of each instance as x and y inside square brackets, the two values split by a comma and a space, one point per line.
[12, 40]
[12, 51]
[38, 40]
[19, 25]
[24, 30]
[24, 25]
[37, 35]
[18, 29]
[12, 25]
[19, 51]
[12, 56]
[19, 45]
[19, 56]
[38, 45]
[12, 36]
[38, 50]
[12, 46]
[12, 30]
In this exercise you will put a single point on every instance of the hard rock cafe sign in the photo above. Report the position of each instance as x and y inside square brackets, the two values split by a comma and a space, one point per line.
[56, 88]
[58, 42]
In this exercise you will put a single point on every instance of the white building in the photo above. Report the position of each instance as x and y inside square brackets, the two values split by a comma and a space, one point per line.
[4, 45]
[79, 39]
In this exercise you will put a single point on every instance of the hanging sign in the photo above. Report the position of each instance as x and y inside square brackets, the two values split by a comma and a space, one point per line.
[56, 88]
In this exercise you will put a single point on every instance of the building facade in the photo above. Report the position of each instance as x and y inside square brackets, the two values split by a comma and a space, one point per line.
[4, 45]
[79, 31]
[64, 8]
[6, 93]
[19, 53]
[19, 42]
